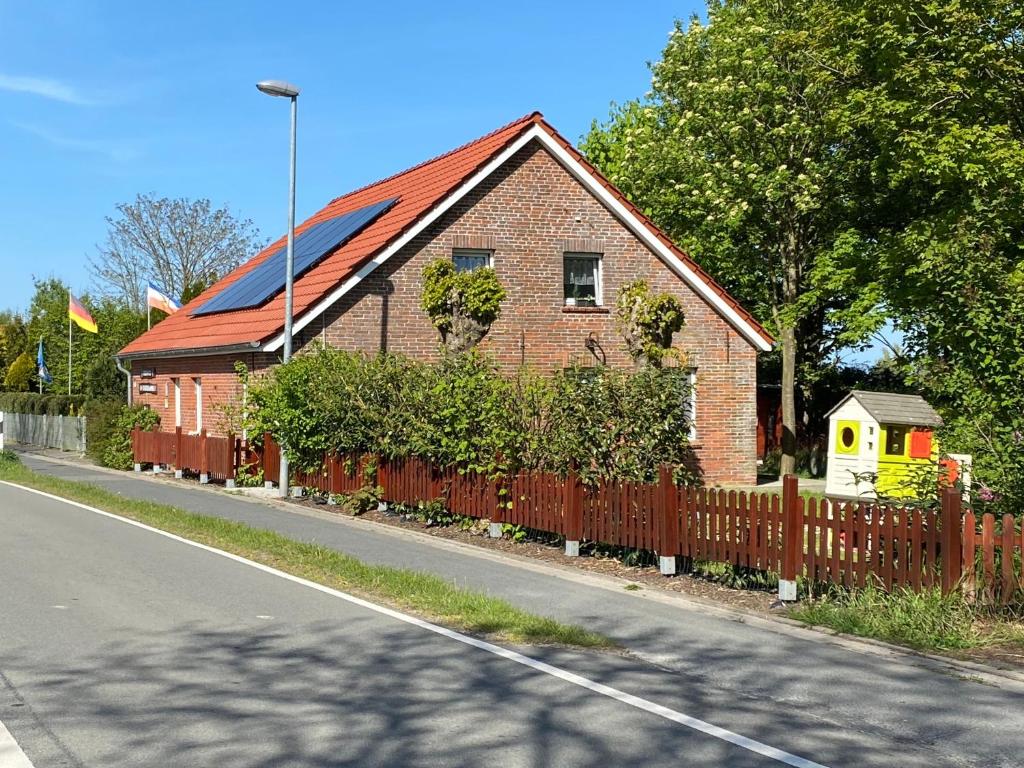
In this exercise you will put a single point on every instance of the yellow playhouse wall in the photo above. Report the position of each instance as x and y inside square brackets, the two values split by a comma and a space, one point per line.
[896, 474]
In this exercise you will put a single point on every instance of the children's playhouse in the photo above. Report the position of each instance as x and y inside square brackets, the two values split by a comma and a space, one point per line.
[879, 443]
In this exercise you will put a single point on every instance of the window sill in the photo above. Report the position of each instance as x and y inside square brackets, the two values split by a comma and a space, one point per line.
[586, 310]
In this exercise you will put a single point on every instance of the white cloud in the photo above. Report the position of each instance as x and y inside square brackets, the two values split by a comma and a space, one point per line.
[116, 151]
[45, 87]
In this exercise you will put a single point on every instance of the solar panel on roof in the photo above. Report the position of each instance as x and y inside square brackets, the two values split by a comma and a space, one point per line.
[267, 280]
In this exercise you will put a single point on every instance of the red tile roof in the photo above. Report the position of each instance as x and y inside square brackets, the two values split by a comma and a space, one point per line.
[419, 189]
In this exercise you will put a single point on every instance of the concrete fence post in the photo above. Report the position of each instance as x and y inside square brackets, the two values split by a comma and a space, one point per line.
[669, 518]
[204, 458]
[792, 538]
[573, 506]
[951, 539]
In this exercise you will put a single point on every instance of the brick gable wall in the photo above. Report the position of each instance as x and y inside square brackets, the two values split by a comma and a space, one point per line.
[529, 212]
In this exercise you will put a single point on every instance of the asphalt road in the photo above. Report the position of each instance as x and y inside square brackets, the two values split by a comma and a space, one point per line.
[161, 653]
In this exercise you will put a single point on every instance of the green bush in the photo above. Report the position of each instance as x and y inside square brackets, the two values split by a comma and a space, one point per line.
[100, 426]
[41, 404]
[462, 412]
[117, 449]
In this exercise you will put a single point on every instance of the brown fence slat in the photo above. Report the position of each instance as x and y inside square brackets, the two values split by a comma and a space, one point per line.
[1006, 558]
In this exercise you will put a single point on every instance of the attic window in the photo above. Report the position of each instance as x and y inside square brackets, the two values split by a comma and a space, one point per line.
[468, 259]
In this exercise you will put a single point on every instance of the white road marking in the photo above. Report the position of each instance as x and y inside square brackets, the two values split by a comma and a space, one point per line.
[11, 755]
[60, 607]
[751, 745]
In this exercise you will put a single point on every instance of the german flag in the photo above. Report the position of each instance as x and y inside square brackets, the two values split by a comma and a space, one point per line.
[81, 315]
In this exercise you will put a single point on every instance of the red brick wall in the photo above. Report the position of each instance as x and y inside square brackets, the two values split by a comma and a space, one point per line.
[221, 391]
[526, 212]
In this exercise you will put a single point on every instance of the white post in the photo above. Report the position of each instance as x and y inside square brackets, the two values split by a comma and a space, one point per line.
[1, 430]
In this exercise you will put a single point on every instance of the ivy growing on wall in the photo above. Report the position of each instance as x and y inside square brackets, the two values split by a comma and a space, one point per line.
[647, 322]
[461, 305]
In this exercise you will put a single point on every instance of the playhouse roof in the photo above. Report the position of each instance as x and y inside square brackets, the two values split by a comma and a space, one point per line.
[423, 193]
[891, 408]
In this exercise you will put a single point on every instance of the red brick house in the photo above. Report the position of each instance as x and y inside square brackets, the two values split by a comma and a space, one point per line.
[562, 240]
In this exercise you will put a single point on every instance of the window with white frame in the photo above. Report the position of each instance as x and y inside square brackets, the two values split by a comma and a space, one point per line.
[177, 401]
[582, 279]
[468, 259]
[690, 393]
[198, 382]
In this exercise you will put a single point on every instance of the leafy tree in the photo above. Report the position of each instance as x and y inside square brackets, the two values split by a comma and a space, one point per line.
[179, 244]
[461, 305]
[648, 322]
[936, 91]
[13, 338]
[737, 154]
[19, 374]
[94, 372]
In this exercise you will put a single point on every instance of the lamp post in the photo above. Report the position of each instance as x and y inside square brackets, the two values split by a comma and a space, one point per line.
[282, 88]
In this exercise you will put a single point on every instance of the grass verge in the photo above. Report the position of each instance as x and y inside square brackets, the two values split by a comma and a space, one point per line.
[927, 621]
[425, 595]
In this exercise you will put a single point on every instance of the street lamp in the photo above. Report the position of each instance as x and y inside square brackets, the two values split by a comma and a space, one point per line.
[282, 88]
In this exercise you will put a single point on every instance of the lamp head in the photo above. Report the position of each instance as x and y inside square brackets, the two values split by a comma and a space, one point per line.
[278, 88]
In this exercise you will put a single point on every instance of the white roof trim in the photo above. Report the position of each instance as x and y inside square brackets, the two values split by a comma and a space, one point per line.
[591, 183]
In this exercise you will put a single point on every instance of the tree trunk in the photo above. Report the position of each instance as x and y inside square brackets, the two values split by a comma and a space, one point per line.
[788, 463]
[790, 293]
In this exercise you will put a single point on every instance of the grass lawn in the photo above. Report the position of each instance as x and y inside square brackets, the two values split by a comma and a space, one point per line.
[425, 595]
[926, 621]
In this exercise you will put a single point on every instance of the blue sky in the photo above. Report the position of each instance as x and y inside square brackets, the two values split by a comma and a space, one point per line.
[100, 101]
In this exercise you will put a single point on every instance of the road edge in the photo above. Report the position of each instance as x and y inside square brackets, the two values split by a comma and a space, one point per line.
[970, 670]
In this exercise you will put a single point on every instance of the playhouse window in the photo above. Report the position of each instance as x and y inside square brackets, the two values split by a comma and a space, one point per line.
[895, 441]
[848, 437]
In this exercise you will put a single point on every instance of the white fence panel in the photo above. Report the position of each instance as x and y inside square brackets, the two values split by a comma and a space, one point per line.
[64, 432]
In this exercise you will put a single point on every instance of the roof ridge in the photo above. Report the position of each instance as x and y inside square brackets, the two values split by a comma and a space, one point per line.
[531, 117]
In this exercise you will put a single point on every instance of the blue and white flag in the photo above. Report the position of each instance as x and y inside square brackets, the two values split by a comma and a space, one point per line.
[41, 369]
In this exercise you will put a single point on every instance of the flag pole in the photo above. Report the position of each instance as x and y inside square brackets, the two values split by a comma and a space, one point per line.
[69, 345]
[37, 373]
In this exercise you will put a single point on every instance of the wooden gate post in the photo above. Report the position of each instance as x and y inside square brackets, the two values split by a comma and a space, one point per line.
[204, 458]
[498, 498]
[792, 538]
[229, 481]
[136, 448]
[382, 481]
[669, 519]
[573, 510]
[951, 539]
[177, 453]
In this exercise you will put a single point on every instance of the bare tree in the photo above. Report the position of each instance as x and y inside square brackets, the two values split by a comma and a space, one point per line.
[178, 244]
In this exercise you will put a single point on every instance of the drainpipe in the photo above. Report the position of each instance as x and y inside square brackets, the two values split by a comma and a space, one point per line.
[128, 374]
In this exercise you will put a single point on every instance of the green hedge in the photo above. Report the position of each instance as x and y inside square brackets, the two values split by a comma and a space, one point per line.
[41, 405]
[464, 412]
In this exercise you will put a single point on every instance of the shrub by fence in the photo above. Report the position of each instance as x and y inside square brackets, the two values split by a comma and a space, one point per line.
[826, 541]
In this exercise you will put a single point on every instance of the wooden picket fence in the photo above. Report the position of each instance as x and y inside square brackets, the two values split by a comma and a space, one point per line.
[826, 541]
[210, 457]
